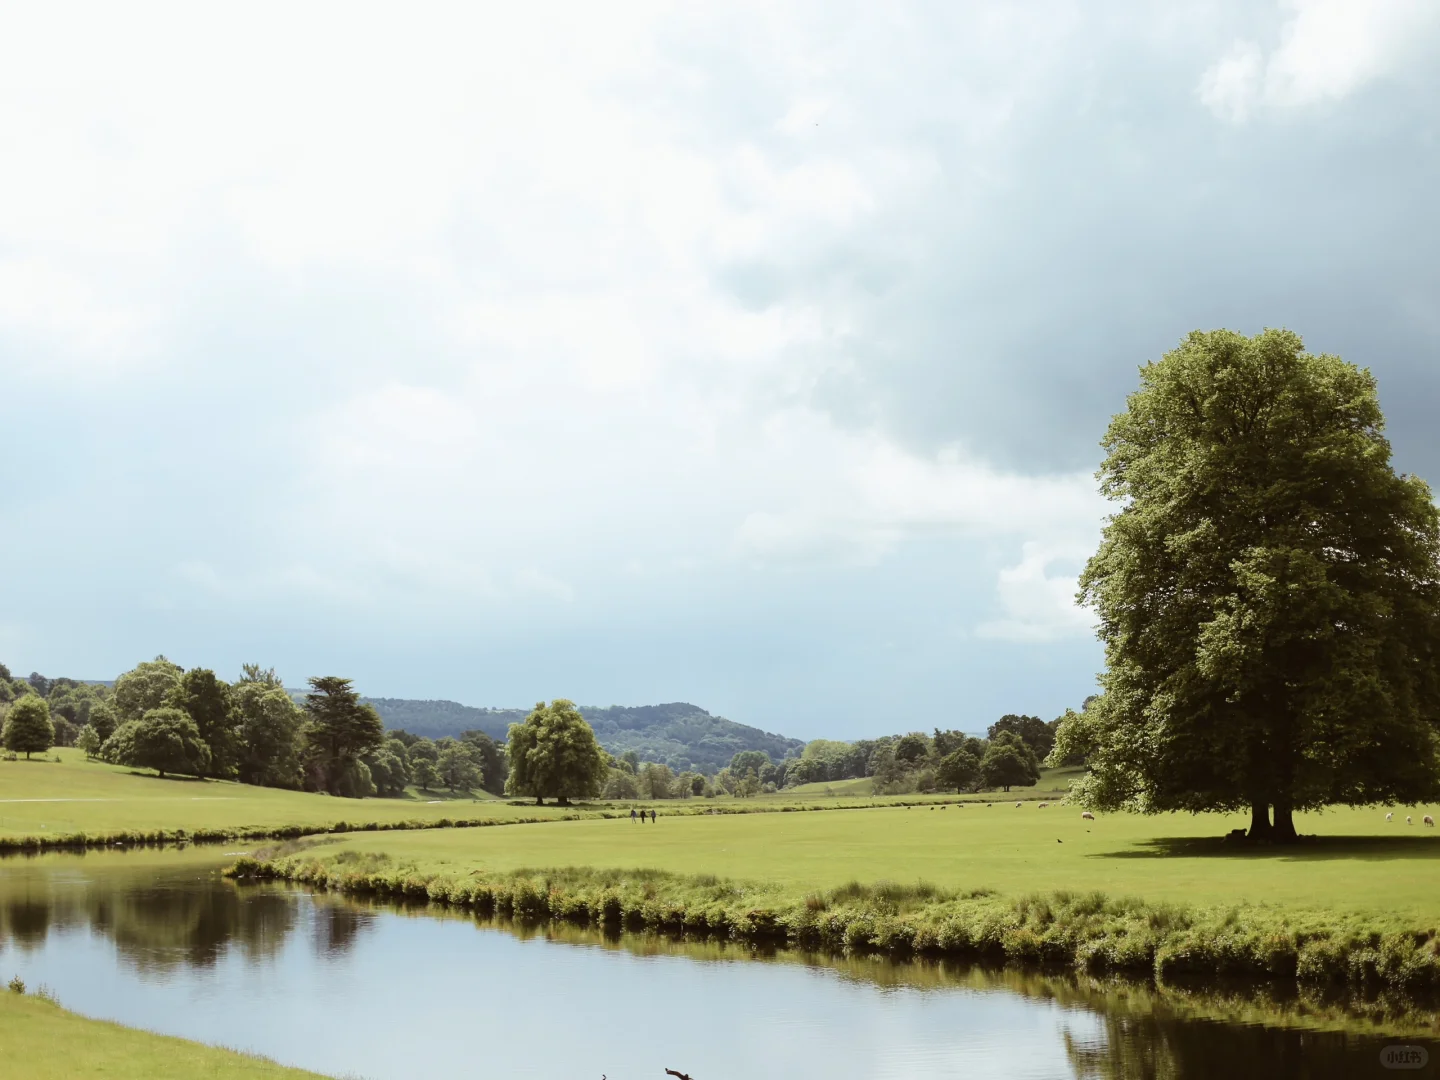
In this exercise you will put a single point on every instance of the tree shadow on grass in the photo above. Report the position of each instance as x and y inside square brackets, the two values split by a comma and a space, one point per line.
[1310, 849]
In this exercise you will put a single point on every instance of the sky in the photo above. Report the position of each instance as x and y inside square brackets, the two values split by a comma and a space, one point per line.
[750, 354]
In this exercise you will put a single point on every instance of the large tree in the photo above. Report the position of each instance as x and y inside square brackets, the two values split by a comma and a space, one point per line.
[145, 687]
[268, 735]
[340, 730]
[164, 739]
[1268, 593]
[207, 700]
[27, 726]
[1008, 762]
[554, 754]
[1037, 734]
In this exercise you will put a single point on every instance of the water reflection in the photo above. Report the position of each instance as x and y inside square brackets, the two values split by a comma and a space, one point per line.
[160, 940]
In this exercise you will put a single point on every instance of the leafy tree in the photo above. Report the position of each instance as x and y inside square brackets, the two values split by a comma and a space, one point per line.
[620, 784]
[726, 781]
[425, 774]
[88, 740]
[423, 750]
[103, 720]
[554, 753]
[267, 734]
[40, 684]
[207, 700]
[5, 675]
[746, 760]
[489, 756]
[1035, 733]
[64, 730]
[1268, 593]
[959, 769]
[631, 760]
[749, 785]
[164, 739]
[388, 770]
[28, 729]
[254, 673]
[457, 768]
[697, 784]
[912, 748]
[338, 732]
[1008, 761]
[146, 686]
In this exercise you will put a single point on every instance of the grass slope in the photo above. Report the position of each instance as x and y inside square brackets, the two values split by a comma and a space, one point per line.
[42, 1041]
[43, 797]
[1360, 865]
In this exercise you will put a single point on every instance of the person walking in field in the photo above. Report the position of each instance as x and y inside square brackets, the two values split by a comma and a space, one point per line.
[652, 817]
[632, 815]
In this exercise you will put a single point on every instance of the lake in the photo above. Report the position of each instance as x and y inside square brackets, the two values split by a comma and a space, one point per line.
[159, 940]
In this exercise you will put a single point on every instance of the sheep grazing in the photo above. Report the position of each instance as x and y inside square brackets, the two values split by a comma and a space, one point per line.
[1018, 805]
[1428, 820]
[1389, 817]
[1408, 820]
[1087, 816]
[1043, 805]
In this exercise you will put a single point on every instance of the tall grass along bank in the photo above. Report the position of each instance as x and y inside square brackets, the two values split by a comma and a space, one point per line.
[1090, 932]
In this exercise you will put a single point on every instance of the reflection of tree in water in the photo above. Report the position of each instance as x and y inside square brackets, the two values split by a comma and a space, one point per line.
[337, 926]
[155, 927]
[1159, 1046]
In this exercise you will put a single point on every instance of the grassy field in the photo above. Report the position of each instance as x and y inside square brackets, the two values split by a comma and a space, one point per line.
[1361, 864]
[42, 1041]
[40, 797]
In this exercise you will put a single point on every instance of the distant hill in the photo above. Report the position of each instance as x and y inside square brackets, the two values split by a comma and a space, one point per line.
[679, 734]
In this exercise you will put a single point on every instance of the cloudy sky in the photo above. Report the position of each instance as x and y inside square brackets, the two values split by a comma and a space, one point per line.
[631, 353]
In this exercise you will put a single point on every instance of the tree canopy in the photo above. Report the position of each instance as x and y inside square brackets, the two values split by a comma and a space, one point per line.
[1268, 593]
[146, 686]
[554, 754]
[164, 739]
[28, 729]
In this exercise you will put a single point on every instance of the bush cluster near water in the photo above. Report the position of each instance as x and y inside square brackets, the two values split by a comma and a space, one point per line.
[1091, 932]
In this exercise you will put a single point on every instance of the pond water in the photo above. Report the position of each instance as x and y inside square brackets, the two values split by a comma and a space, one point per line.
[159, 940]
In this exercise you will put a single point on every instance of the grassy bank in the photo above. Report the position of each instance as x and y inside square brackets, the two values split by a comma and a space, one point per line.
[1087, 931]
[1388, 873]
[42, 1041]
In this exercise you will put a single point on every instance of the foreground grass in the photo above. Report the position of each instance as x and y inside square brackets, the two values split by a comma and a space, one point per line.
[1360, 865]
[42, 1041]
[47, 798]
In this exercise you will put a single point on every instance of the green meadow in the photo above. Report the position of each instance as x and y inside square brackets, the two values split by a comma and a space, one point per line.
[1359, 864]
[42, 1041]
[44, 797]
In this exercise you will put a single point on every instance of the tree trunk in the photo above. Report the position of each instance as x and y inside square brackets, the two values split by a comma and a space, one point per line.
[539, 800]
[1284, 830]
[1260, 827]
[563, 800]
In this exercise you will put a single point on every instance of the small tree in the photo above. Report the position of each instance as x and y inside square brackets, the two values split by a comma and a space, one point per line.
[1009, 761]
[27, 727]
[88, 740]
[164, 739]
[554, 753]
[457, 768]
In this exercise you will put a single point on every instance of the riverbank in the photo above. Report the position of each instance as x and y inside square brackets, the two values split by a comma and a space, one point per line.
[43, 1041]
[1089, 932]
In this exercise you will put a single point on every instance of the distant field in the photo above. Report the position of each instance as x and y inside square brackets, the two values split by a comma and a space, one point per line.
[1052, 782]
[74, 795]
[44, 1042]
[1361, 865]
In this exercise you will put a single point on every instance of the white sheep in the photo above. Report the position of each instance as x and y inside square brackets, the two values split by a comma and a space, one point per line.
[1428, 820]
[1389, 817]
[1409, 820]
[1018, 805]
[1043, 805]
[1087, 816]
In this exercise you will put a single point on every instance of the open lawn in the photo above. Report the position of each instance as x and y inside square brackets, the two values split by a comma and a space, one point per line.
[1360, 865]
[41, 796]
[42, 1041]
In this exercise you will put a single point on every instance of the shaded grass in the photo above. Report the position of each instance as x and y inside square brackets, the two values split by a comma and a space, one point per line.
[43, 1041]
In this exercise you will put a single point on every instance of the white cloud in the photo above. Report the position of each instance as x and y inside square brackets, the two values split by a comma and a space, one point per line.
[1039, 605]
[1327, 50]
